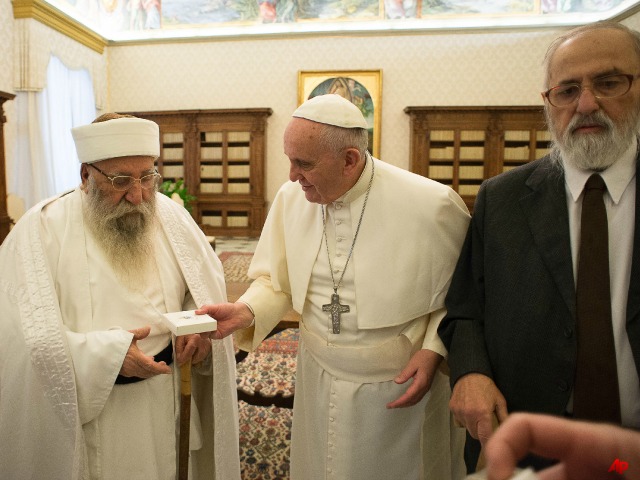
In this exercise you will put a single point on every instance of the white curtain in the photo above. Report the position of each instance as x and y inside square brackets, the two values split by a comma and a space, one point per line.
[46, 162]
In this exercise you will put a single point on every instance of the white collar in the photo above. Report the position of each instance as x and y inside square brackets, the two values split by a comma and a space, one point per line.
[361, 185]
[616, 177]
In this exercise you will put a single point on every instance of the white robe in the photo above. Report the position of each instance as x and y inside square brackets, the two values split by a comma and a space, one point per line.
[395, 284]
[64, 336]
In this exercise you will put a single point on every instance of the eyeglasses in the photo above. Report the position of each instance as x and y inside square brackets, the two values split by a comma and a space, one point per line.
[123, 183]
[609, 86]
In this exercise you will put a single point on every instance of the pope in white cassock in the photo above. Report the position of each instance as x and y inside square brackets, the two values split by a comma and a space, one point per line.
[88, 386]
[364, 251]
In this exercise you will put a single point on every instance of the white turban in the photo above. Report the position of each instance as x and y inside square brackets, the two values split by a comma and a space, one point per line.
[120, 137]
[331, 109]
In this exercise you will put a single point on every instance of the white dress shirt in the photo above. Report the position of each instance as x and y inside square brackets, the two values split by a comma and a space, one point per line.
[620, 202]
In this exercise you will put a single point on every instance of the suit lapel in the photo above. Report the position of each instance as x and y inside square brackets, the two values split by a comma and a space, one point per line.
[544, 206]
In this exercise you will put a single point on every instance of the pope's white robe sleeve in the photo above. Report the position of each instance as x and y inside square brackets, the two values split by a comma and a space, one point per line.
[97, 359]
[431, 339]
[269, 306]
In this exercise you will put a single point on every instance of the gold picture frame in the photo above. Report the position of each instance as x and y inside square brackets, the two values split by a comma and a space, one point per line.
[362, 87]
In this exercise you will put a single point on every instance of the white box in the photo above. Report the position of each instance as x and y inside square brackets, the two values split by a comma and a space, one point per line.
[184, 323]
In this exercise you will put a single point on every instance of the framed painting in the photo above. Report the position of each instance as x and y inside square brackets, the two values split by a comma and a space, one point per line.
[362, 87]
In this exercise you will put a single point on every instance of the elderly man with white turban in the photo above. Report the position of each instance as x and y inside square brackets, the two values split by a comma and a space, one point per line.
[88, 386]
[364, 251]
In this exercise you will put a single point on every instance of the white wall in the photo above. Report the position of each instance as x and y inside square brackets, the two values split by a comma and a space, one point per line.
[6, 46]
[6, 72]
[437, 69]
[26, 46]
[432, 69]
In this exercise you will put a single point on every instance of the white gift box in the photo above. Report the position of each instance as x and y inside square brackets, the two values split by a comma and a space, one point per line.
[187, 322]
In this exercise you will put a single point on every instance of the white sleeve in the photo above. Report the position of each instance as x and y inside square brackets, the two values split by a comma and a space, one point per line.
[431, 339]
[97, 358]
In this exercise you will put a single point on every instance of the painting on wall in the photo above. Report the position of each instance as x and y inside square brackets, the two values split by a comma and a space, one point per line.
[363, 88]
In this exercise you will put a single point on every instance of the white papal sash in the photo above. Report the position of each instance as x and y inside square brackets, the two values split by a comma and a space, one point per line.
[379, 363]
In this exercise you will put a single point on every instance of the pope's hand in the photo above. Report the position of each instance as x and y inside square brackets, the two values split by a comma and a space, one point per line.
[421, 368]
[230, 317]
[474, 401]
[136, 363]
[192, 347]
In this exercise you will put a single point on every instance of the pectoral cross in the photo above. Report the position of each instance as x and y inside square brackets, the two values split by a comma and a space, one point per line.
[335, 309]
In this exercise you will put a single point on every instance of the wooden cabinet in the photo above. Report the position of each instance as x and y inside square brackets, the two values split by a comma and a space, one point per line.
[462, 146]
[5, 220]
[220, 154]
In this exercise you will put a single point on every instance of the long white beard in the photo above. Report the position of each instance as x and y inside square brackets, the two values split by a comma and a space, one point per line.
[595, 152]
[125, 234]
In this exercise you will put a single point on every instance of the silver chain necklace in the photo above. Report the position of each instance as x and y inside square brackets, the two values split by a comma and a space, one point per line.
[335, 308]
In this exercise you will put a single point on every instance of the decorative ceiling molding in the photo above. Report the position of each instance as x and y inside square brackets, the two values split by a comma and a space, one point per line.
[52, 17]
[67, 23]
[626, 13]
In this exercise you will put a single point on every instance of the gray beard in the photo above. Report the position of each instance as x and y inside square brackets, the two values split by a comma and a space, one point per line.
[124, 232]
[595, 152]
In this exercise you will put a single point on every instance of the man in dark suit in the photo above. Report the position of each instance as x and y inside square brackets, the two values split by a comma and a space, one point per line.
[518, 328]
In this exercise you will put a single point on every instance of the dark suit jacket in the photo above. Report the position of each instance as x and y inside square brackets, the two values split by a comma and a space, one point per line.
[511, 304]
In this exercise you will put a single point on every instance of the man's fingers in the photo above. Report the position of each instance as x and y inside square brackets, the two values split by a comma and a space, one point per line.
[487, 426]
[184, 342]
[186, 353]
[164, 368]
[411, 397]
[204, 310]
[484, 430]
[151, 368]
[194, 348]
[404, 375]
[140, 333]
[479, 428]
[501, 413]
[216, 335]
[402, 401]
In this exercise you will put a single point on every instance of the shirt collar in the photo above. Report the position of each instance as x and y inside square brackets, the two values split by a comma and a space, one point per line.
[361, 185]
[616, 177]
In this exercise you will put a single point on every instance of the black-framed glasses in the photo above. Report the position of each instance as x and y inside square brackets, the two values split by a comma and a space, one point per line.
[608, 86]
[125, 182]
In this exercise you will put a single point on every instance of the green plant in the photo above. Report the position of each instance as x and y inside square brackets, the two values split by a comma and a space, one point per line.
[178, 187]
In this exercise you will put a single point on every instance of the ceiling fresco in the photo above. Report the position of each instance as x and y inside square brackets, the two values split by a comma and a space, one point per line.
[156, 18]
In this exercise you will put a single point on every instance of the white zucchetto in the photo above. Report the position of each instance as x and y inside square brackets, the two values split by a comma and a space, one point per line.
[120, 137]
[331, 109]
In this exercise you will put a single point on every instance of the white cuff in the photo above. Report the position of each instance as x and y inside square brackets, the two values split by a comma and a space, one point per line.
[253, 320]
